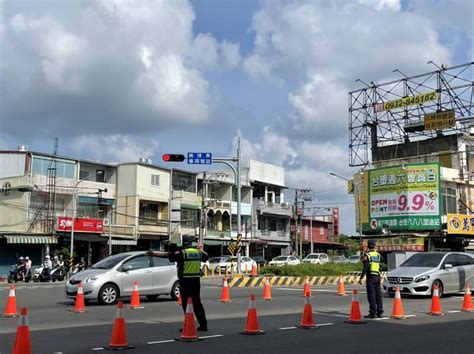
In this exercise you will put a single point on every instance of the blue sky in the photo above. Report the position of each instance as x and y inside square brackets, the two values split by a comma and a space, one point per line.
[119, 80]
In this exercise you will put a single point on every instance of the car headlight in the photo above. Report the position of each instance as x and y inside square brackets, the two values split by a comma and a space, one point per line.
[422, 278]
[91, 279]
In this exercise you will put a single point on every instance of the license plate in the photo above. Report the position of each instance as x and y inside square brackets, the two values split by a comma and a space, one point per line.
[70, 288]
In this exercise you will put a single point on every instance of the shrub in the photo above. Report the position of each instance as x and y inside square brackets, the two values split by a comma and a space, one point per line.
[312, 269]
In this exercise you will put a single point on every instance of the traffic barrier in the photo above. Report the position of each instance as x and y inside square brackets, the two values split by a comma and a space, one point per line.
[79, 304]
[467, 301]
[436, 304]
[22, 340]
[341, 290]
[267, 292]
[307, 320]
[397, 311]
[10, 308]
[189, 334]
[251, 324]
[225, 295]
[355, 316]
[254, 271]
[306, 288]
[135, 301]
[119, 340]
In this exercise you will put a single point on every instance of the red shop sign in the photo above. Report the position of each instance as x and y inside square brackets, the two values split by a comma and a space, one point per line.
[80, 225]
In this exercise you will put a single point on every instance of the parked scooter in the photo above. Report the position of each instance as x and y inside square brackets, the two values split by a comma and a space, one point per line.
[41, 274]
[58, 273]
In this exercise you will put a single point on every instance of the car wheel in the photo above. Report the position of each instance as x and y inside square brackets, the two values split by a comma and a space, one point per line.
[152, 297]
[439, 284]
[175, 291]
[108, 294]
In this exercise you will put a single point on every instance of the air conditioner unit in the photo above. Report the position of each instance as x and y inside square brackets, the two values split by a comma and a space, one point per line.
[106, 222]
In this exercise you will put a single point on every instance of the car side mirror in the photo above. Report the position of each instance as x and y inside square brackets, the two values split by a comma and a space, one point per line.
[448, 266]
[127, 267]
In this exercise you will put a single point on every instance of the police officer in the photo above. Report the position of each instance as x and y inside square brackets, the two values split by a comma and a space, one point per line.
[371, 270]
[189, 260]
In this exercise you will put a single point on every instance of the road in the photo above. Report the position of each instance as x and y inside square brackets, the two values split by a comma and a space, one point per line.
[55, 329]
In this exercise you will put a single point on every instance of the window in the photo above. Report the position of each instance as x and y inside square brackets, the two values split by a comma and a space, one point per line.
[160, 262]
[84, 175]
[184, 182]
[100, 176]
[321, 230]
[465, 259]
[190, 217]
[64, 169]
[449, 200]
[451, 259]
[138, 262]
[155, 180]
[148, 213]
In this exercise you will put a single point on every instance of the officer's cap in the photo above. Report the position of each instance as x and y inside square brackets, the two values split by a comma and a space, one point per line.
[371, 243]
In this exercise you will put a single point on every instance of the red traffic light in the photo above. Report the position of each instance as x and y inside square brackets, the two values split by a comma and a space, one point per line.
[173, 158]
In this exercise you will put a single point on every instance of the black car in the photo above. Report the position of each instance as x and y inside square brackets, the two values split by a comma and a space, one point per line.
[260, 260]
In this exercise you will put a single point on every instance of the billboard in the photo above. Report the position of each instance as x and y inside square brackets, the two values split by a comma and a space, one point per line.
[404, 198]
[361, 199]
[414, 244]
[461, 224]
[80, 225]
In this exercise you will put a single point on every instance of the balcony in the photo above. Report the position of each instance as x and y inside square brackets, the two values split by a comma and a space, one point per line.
[272, 208]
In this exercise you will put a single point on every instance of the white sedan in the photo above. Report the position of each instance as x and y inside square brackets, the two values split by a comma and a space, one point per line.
[284, 260]
[246, 264]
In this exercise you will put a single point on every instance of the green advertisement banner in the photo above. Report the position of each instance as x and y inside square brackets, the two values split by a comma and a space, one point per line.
[404, 198]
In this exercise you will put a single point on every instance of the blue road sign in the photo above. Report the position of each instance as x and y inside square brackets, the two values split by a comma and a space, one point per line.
[199, 158]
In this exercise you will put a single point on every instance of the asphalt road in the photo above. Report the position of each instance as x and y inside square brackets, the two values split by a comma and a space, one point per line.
[54, 329]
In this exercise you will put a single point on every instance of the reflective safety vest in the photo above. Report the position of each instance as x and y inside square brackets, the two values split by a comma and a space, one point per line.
[192, 263]
[374, 260]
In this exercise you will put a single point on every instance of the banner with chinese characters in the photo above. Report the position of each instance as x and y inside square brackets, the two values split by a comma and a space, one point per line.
[461, 224]
[361, 199]
[404, 198]
[401, 244]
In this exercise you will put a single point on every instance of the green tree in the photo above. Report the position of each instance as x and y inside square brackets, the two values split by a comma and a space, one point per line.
[352, 244]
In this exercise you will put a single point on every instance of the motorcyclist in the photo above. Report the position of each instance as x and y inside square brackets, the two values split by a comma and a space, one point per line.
[47, 266]
[82, 264]
[28, 266]
[20, 268]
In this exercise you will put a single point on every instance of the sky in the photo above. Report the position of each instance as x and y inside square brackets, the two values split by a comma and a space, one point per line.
[116, 80]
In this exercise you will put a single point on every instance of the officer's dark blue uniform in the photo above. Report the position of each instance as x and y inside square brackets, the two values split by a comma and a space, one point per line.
[371, 269]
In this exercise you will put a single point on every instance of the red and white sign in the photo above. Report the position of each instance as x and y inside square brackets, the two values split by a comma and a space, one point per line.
[335, 219]
[80, 225]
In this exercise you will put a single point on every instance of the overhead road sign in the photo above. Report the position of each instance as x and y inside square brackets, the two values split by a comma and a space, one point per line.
[199, 158]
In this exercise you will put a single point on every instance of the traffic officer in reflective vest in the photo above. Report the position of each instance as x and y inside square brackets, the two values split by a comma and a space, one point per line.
[189, 273]
[371, 270]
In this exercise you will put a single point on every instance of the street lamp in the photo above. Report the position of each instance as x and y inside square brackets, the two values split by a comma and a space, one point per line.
[359, 213]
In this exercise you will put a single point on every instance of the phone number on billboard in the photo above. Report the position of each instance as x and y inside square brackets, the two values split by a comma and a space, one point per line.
[407, 101]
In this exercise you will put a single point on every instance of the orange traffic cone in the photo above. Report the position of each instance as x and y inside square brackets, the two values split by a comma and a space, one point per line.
[179, 303]
[307, 320]
[254, 270]
[307, 288]
[79, 306]
[189, 333]
[225, 295]
[267, 292]
[135, 302]
[119, 341]
[436, 303]
[251, 325]
[341, 290]
[22, 341]
[397, 311]
[355, 317]
[10, 309]
[467, 302]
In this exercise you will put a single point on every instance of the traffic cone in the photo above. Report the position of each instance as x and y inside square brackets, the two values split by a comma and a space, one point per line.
[307, 288]
[189, 333]
[79, 306]
[467, 302]
[307, 320]
[251, 325]
[397, 311]
[10, 309]
[22, 341]
[341, 290]
[225, 295]
[436, 303]
[179, 303]
[355, 317]
[254, 271]
[135, 302]
[267, 292]
[119, 341]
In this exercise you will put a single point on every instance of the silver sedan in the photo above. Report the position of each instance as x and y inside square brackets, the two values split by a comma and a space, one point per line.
[420, 273]
[113, 277]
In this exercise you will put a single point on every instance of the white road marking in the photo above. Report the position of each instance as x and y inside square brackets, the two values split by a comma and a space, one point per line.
[409, 316]
[314, 290]
[454, 311]
[287, 328]
[97, 349]
[212, 336]
[325, 324]
[162, 341]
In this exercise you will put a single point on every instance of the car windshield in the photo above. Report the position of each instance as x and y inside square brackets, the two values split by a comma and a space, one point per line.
[281, 258]
[423, 260]
[231, 259]
[313, 256]
[217, 259]
[110, 262]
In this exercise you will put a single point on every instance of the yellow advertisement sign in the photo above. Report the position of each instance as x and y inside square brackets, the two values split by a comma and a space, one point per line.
[401, 244]
[440, 120]
[461, 224]
[361, 196]
[406, 101]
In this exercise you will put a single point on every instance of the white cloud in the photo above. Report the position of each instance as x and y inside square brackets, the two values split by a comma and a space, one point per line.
[114, 148]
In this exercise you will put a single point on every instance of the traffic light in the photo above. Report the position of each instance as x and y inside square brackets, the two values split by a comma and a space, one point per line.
[173, 157]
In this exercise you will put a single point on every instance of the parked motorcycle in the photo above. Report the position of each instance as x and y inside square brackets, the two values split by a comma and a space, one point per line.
[42, 274]
[58, 273]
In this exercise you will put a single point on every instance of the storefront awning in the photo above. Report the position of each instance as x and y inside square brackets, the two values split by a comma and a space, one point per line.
[123, 242]
[28, 239]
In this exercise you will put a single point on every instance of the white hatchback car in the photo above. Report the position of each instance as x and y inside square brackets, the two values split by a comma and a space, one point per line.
[230, 264]
[316, 258]
[285, 260]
